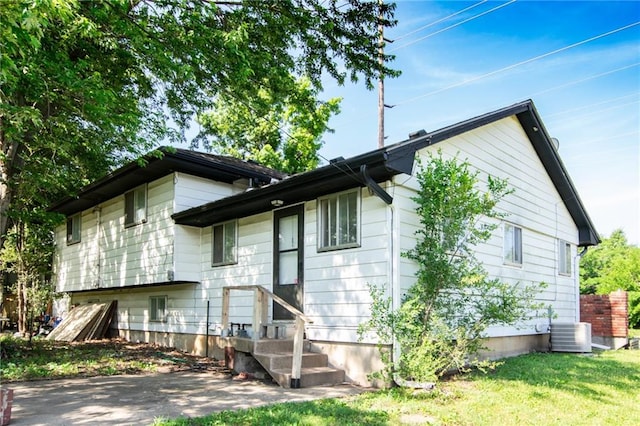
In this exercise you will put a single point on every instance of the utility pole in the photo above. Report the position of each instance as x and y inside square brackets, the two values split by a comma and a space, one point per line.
[381, 78]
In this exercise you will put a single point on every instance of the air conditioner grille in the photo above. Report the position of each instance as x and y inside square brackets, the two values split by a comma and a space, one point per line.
[571, 337]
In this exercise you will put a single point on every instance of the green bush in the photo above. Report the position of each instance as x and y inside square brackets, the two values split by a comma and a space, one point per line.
[9, 347]
[441, 321]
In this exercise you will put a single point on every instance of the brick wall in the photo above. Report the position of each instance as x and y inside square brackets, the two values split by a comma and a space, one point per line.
[608, 314]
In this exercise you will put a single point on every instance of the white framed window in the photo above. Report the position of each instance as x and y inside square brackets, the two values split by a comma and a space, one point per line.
[74, 229]
[339, 220]
[564, 257]
[225, 243]
[135, 206]
[158, 308]
[512, 254]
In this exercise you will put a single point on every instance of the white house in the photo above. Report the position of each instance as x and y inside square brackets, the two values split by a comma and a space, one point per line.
[166, 239]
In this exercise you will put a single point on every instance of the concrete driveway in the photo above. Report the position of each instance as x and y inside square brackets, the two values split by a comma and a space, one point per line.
[140, 399]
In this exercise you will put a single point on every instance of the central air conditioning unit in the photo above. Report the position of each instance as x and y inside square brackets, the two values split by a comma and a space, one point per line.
[571, 337]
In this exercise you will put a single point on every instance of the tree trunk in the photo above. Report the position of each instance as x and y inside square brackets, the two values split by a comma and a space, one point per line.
[22, 283]
[8, 156]
[22, 307]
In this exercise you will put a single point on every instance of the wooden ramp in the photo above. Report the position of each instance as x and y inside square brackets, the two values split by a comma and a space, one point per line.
[85, 322]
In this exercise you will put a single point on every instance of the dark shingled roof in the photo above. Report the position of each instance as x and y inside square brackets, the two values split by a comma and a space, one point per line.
[383, 163]
[209, 166]
[363, 170]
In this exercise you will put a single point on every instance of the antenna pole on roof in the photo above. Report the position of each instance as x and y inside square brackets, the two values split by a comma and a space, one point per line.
[381, 80]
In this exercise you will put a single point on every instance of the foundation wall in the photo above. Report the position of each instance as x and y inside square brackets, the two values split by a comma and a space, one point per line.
[190, 343]
[357, 360]
[505, 347]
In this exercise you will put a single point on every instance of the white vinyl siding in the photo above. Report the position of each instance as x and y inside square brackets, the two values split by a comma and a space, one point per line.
[336, 282]
[339, 220]
[192, 191]
[512, 246]
[564, 258]
[224, 244]
[135, 206]
[254, 267]
[336, 292]
[115, 255]
[502, 149]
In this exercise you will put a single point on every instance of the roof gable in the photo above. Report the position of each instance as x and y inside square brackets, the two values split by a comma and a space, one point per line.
[384, 163]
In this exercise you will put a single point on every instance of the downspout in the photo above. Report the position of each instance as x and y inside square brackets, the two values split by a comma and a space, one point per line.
[396, 296]
[576, 269]
[374, 187]
[98, 211]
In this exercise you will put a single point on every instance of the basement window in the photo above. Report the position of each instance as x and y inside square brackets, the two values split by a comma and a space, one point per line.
[158, 308]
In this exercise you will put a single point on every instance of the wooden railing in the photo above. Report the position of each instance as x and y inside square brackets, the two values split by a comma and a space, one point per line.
[259, 325]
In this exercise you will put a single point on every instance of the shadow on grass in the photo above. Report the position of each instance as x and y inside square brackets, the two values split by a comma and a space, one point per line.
[320, 412]
[588, 375]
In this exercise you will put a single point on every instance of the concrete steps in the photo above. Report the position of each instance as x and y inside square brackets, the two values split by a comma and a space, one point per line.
[314, 376]
[279, 361]
[276, 357]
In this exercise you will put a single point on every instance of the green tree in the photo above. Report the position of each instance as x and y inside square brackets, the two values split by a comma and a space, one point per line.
[280, 132]
[28, 255]
[443, 316]
[613, 265]
[88, 85]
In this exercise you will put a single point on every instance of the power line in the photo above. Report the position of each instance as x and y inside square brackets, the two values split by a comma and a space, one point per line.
[453, 26]
[600, 111]
[438, 21]
[489, 74]
[590, 106]
[582, 80]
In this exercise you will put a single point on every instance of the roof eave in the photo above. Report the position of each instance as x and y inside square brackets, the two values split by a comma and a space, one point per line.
[340, 175]
[153, 167]
[544, 147]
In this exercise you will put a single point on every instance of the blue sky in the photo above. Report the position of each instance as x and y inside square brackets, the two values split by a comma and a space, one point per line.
[578, 60]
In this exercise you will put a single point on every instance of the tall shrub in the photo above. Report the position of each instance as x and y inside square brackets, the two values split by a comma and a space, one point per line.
[441, 322]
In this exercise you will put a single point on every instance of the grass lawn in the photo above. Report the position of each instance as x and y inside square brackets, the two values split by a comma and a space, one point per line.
[535, 389]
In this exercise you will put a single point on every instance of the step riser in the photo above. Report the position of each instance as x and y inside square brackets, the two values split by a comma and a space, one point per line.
[311, 379]
[276, 345]
[279, 362]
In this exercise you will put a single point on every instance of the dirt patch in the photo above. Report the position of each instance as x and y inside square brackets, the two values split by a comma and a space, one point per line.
[45, 359]
[166, 359]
